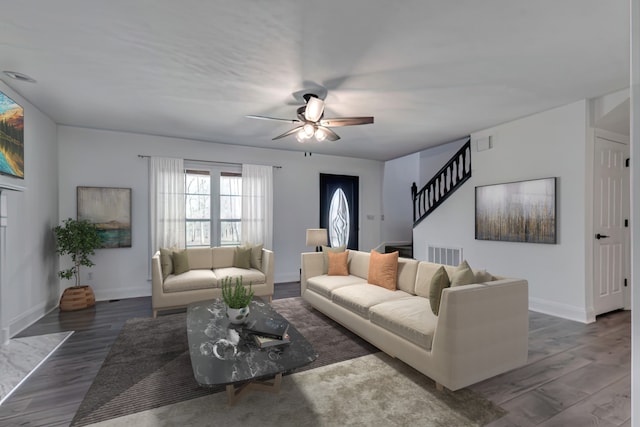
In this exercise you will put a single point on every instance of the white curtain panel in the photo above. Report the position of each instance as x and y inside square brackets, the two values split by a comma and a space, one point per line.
[167, 203]
[257, 205]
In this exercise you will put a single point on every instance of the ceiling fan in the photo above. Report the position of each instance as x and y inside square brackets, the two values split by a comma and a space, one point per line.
[311, 123]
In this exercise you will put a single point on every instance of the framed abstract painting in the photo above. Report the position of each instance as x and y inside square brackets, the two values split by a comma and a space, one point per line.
[523, 211]
[110, 210]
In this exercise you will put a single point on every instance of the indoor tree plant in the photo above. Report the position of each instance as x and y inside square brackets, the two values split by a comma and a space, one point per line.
[78, 239]
[237, 298]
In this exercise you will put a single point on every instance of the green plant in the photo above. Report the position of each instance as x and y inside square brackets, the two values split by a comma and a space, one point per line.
[236, 296]
[79, 239]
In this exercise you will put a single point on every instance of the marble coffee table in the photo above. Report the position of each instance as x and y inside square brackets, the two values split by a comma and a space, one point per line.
[223, 354]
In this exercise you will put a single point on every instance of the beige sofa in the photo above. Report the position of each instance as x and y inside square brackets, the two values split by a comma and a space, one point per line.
[208, 267]
[481, 329]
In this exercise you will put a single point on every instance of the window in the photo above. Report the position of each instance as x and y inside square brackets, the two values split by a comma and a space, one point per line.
[230, 209]
[213, 207]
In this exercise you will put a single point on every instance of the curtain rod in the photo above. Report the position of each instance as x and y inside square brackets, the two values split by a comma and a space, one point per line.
[145, 156]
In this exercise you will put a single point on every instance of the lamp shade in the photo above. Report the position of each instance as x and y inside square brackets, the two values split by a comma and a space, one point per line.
[316, 236]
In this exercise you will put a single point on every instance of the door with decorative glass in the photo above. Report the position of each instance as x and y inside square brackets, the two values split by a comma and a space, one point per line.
[339, 209]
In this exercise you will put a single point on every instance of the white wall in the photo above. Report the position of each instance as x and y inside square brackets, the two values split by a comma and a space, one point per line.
[551, 143]
[399, 174]
[110, 159]
[29, 282]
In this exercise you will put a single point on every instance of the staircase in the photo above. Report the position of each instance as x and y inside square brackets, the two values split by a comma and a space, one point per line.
[442, 185]
[405, 251]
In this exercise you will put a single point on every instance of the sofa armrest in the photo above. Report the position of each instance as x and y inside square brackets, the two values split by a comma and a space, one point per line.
[156, 277]
[312, 265]
[268, 268]
[482, 329]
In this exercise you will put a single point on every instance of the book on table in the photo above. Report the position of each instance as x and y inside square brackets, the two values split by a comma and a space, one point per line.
[270, 327]
[266, 342]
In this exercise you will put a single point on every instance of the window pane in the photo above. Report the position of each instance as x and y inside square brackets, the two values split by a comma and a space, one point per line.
[198, 206]
[230, 185]
[229, 233]
[198, 184]
[230, 207]
[198, 233]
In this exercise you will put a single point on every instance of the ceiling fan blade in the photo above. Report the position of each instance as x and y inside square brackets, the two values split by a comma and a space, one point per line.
[314, 109]
[287, 133]
[346, 121]
[330, 135]
[273, 118]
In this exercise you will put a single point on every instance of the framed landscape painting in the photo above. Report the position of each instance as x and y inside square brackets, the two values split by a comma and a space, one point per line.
[11, 137]
[110, 210]
[522, 211]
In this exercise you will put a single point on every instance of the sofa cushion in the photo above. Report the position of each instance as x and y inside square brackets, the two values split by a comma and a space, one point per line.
[407, 269]
[483, 276]
[242, 257]
[325, 284]
[463, 275]
[166, 262]
[222, 256]
[358, 298]
[180, 261]
[199, 258]
[256, 255]
[383, 270]
[325, 254]
[425, 273]
[248, 275]
[190, 280]
[439, 281]
[338, 263]
[410, 318]
[359, 264]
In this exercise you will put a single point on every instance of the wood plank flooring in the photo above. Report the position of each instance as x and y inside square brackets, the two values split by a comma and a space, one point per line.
[577, 375]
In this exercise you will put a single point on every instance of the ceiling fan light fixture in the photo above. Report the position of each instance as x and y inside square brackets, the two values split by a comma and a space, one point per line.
[314, 109]
[301, 136]
[309, 129]
[321, 135]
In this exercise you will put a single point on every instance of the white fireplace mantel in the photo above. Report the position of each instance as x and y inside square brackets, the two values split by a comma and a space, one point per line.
[12, 184]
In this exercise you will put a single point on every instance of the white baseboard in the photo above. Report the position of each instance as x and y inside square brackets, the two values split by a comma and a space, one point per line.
[28, 318]
[287, 277]
[566, 311]
[122, 293]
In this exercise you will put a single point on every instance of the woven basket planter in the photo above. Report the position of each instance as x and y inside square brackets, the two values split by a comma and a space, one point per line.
[77, 298]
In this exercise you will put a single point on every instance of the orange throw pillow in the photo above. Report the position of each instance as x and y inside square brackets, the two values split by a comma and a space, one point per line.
[338, 263]
[383, 270]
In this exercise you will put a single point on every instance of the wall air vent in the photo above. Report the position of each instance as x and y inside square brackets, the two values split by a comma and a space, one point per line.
[444, 255]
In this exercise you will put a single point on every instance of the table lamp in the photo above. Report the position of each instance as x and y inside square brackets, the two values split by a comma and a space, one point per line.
[317, 237]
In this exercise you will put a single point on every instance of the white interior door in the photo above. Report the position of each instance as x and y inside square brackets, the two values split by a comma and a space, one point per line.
[611, 228]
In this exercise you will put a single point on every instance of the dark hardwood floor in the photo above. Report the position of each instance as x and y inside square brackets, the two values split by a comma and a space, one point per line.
[577, 375]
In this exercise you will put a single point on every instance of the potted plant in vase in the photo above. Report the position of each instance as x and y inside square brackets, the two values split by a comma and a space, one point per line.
[237, 298]
[79, 239]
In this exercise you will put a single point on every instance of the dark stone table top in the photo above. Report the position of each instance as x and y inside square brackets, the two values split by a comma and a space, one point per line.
[222, 353]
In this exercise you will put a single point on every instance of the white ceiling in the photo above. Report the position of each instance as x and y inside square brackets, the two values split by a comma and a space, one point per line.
[430, 71]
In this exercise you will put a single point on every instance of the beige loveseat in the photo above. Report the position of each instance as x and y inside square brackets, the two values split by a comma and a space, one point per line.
[481, 329]
[207, 269]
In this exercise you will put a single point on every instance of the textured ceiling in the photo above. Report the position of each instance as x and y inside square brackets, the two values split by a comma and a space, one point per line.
[429, 71]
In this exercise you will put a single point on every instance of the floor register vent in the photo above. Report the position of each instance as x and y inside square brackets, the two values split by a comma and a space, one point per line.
[444, 255]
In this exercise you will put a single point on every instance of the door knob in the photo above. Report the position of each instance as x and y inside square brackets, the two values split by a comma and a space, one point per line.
[601, 236]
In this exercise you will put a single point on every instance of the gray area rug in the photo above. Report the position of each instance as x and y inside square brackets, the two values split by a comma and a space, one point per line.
[146, 379]
[373, 390]
[148, 365]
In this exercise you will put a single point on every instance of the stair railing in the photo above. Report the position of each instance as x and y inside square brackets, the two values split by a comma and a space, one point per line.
[442, 185]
